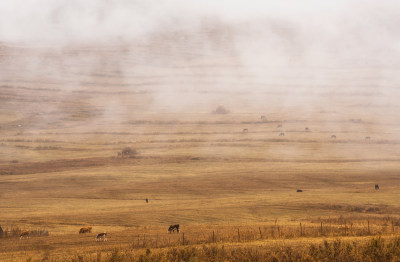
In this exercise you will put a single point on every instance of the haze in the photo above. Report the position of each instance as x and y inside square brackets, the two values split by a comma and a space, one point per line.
[250, 115]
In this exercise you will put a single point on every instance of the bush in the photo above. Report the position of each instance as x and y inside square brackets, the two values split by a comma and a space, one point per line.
[128, 152]
[221, 110]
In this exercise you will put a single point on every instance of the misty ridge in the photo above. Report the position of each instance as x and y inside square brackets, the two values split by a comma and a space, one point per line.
[191, 56]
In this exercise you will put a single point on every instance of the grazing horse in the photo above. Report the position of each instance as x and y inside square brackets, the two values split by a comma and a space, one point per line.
[333, 136]
[173, 227]
[101, 236]
[84, 230]
[24, 234]
[282, 134]
[245, 130]
[376, 187]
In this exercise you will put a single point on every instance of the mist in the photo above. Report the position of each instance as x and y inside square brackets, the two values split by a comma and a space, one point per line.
[193, 56]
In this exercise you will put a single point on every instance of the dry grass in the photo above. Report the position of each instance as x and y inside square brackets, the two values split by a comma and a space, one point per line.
[59, 170]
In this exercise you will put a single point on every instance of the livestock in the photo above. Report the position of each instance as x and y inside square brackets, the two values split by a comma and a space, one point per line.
[1, 232]
[280, 125]
[282, 134]
[333, 136]
[245, 130]
[263, 118]
[101, 236]
[376, 187]
[299, 190]
[306, 129]
[84, 230]
[367, 137]
[172, 228]
[24, 234]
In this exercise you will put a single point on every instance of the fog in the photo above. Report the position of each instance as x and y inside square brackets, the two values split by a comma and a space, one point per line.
[179, 50]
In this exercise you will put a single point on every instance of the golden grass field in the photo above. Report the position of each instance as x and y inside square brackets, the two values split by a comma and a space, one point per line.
[59, 168]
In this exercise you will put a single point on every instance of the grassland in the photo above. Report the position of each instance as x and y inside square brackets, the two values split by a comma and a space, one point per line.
[59, 167]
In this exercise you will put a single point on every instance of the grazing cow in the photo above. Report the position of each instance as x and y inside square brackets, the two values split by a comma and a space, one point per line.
[245, 130]
[299, 190]
[333, 136]
[147, 200]
[263, 118]
[307, 129]
[84, 230]
[282, 134]
[24, 234]
[376, 187]
[173, 227]
[280, 125]
[367, 137]
[101, 236]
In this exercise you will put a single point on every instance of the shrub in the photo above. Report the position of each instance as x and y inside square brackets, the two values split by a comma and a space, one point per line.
[128, 152]
[221, 110]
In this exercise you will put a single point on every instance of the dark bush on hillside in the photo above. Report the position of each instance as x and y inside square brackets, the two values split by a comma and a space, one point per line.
[127, 152]
[221, 110]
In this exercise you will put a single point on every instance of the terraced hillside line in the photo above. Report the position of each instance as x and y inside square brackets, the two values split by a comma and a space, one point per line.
[82, 163]
[68, 164]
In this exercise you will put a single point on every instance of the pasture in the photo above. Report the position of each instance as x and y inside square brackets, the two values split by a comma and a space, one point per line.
[60, 169]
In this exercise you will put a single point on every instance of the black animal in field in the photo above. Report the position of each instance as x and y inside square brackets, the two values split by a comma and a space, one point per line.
[376, 186]
[172, 228]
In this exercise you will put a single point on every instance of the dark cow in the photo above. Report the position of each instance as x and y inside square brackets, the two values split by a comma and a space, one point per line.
[306, 129]
[299, 190]
[280, 125]
[147, 200]
[172, 228]
[245, 130]
[263, 118]
[333, 136]
[24, 234]
[1, 232]
[101, 236]
[282, 134]
[84, 230]
[376, 187]
[367, 137]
